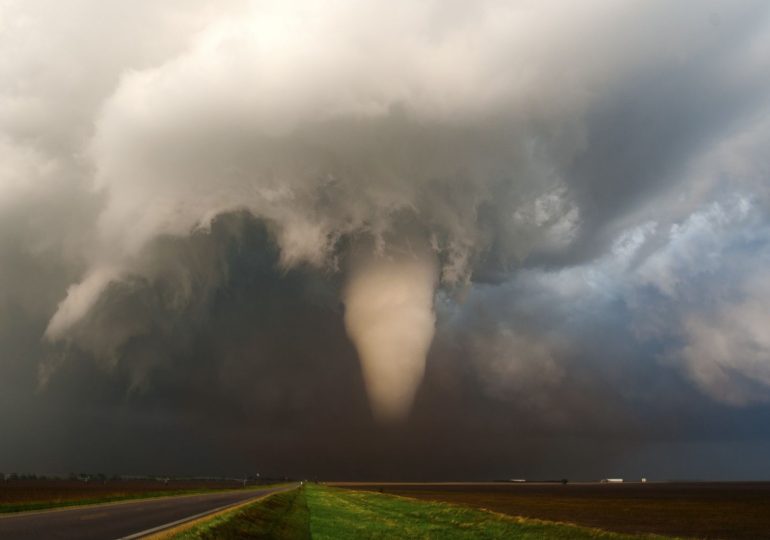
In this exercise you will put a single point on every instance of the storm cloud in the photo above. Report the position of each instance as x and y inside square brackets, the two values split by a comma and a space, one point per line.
[410, 239]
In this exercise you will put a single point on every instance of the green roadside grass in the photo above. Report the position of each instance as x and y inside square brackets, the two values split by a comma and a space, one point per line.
[282, 515]
[324, 513]
[29, 506]
[344, 514]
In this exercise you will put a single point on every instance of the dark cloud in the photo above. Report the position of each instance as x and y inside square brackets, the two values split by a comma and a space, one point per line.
[582, 192]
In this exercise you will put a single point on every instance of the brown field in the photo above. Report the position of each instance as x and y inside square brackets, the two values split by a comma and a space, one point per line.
[16, 495]
[701, 510]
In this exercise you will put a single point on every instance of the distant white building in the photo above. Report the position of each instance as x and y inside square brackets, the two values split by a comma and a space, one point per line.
[612, 481]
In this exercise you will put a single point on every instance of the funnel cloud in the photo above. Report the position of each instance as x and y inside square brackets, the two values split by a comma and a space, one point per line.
[389, 317]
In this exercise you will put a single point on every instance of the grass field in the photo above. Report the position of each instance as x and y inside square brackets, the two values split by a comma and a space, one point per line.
[702, 510]
[24, 495]
[325, 513]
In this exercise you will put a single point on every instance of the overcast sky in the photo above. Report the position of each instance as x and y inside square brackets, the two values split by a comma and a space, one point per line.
[403, 239]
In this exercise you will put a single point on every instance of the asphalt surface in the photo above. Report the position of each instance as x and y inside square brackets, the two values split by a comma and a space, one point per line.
[119, 520]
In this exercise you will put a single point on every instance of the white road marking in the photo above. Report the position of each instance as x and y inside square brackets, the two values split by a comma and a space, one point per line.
[185, 520]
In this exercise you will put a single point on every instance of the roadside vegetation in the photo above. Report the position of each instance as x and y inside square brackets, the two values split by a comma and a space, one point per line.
[343, 514]
[283, 515]
[325, 513]
[737, 510]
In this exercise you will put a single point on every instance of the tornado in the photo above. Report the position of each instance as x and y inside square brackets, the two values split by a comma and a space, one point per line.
[389, 318]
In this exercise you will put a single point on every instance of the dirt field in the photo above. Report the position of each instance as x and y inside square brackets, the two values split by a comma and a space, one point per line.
[702, 510]
[23, 493]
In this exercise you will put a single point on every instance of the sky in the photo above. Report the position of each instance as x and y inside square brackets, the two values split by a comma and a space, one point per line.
[385, 240]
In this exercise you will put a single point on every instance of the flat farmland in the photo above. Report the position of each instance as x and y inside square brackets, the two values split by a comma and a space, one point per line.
[21, 495]
[702, 510]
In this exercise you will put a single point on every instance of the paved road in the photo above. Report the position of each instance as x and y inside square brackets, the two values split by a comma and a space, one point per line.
[111, 521]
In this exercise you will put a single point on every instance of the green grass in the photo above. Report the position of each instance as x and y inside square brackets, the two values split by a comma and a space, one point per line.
[281, 516]
[344, 514]
[324, 513]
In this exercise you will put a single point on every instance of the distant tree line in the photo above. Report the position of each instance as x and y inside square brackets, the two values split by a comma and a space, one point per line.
[103, 478]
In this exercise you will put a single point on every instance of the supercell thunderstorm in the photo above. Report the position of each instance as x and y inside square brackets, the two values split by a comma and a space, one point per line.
[477, 193]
